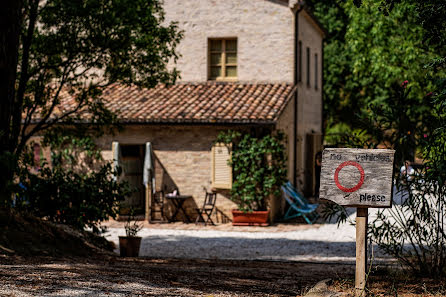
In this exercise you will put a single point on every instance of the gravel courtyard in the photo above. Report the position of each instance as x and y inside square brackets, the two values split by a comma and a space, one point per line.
[281, 242]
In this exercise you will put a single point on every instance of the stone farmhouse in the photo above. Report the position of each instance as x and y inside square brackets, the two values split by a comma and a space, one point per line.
[252, 65]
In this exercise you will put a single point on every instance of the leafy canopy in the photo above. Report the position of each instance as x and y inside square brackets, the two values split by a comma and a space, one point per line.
[366, 57]
[81, 46]
[77, 48]
[405, 116]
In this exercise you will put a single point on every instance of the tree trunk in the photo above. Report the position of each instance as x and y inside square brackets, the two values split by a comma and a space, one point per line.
[10, 26]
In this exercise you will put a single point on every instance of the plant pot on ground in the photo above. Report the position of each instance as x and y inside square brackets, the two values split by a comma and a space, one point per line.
[254, 218]
[129, 245]
[259, 170]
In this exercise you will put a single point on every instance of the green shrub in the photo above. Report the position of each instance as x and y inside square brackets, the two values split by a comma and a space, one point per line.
[259, 168]
[77, 199]
[78, 189]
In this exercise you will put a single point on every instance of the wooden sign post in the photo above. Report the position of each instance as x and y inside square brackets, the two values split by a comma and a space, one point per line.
[359, 178]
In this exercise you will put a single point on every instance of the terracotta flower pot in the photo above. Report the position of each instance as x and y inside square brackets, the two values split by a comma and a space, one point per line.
[129, 246]
[255, 218]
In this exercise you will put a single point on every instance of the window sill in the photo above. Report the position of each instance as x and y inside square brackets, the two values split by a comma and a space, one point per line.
[223, 79]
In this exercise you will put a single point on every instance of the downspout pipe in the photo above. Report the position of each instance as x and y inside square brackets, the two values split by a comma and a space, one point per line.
[296, 94]
[323, 128]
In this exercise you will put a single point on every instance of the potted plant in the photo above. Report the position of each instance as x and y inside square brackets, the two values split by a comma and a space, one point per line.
[129, 245]
[259, 169]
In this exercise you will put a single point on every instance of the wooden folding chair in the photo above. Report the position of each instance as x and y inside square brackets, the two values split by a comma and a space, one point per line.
[207, 209]
[158, 206]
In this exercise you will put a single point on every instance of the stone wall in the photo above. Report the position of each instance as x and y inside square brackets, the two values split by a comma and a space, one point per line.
[183, 159]
[263, 28]
[286, 124]
[265, 33]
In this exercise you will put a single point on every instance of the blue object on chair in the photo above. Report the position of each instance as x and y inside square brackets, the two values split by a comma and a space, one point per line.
[299, 205]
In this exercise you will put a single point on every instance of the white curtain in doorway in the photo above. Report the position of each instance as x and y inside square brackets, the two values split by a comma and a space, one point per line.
[116, 157]
[149, 172]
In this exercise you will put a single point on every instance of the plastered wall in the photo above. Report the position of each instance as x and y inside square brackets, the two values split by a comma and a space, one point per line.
[310, 97]
[263, 28]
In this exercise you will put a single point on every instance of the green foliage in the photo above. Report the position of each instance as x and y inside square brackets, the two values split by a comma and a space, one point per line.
[77, 199]
[259, 168]
[367, 54]
[8, 162]
[131, 226]
[415, 231]
[385, 41]
[124, 39]
[78, 189]
[74, 147]
[78, 48]
[81, 46]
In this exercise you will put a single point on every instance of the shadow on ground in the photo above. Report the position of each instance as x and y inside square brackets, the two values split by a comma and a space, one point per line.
[168, 277]
[242, 248]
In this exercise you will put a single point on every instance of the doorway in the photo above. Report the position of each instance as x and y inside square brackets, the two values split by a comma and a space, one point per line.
[132, 164]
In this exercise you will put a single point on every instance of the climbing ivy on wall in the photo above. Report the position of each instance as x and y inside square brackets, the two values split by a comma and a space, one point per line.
[258, 165]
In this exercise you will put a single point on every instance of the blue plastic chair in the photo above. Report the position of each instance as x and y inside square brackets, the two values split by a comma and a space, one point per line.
[299, 196]
[298, 205]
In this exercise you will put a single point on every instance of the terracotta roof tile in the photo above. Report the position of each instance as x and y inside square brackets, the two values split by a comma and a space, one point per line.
[210, 102]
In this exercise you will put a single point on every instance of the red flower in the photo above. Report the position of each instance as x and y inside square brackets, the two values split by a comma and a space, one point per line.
[404, 83]
[429, 94]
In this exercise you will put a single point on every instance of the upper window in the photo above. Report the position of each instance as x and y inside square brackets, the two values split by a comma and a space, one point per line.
[308, 66]
[223, 59]
[299, 61]
[316, 72]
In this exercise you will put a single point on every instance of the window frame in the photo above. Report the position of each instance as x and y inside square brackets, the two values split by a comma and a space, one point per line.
[223, 63]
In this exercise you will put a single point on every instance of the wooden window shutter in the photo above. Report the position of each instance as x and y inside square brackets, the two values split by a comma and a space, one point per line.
[221, 170]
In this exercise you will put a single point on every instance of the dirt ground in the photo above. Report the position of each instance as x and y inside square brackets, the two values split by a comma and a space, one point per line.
[34, 261]
[115, 276]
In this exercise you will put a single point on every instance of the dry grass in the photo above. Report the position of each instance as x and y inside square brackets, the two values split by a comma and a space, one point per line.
[394, 281]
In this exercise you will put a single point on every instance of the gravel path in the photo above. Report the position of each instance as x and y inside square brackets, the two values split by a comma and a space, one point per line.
[320, 243]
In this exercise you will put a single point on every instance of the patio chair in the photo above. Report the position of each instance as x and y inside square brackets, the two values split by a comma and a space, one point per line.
[298, 205]
[300, 197]
[207, 209]
[158, 204]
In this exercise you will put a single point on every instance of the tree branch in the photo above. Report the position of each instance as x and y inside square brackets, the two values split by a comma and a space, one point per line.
[18, 106]
[39, 125]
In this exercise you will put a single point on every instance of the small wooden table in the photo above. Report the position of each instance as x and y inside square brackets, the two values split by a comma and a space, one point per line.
[178, 201]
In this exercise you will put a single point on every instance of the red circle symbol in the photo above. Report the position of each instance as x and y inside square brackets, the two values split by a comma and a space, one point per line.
[361, 180]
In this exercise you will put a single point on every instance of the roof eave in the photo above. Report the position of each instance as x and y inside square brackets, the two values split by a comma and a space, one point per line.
[301, 5]
[179, 122]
